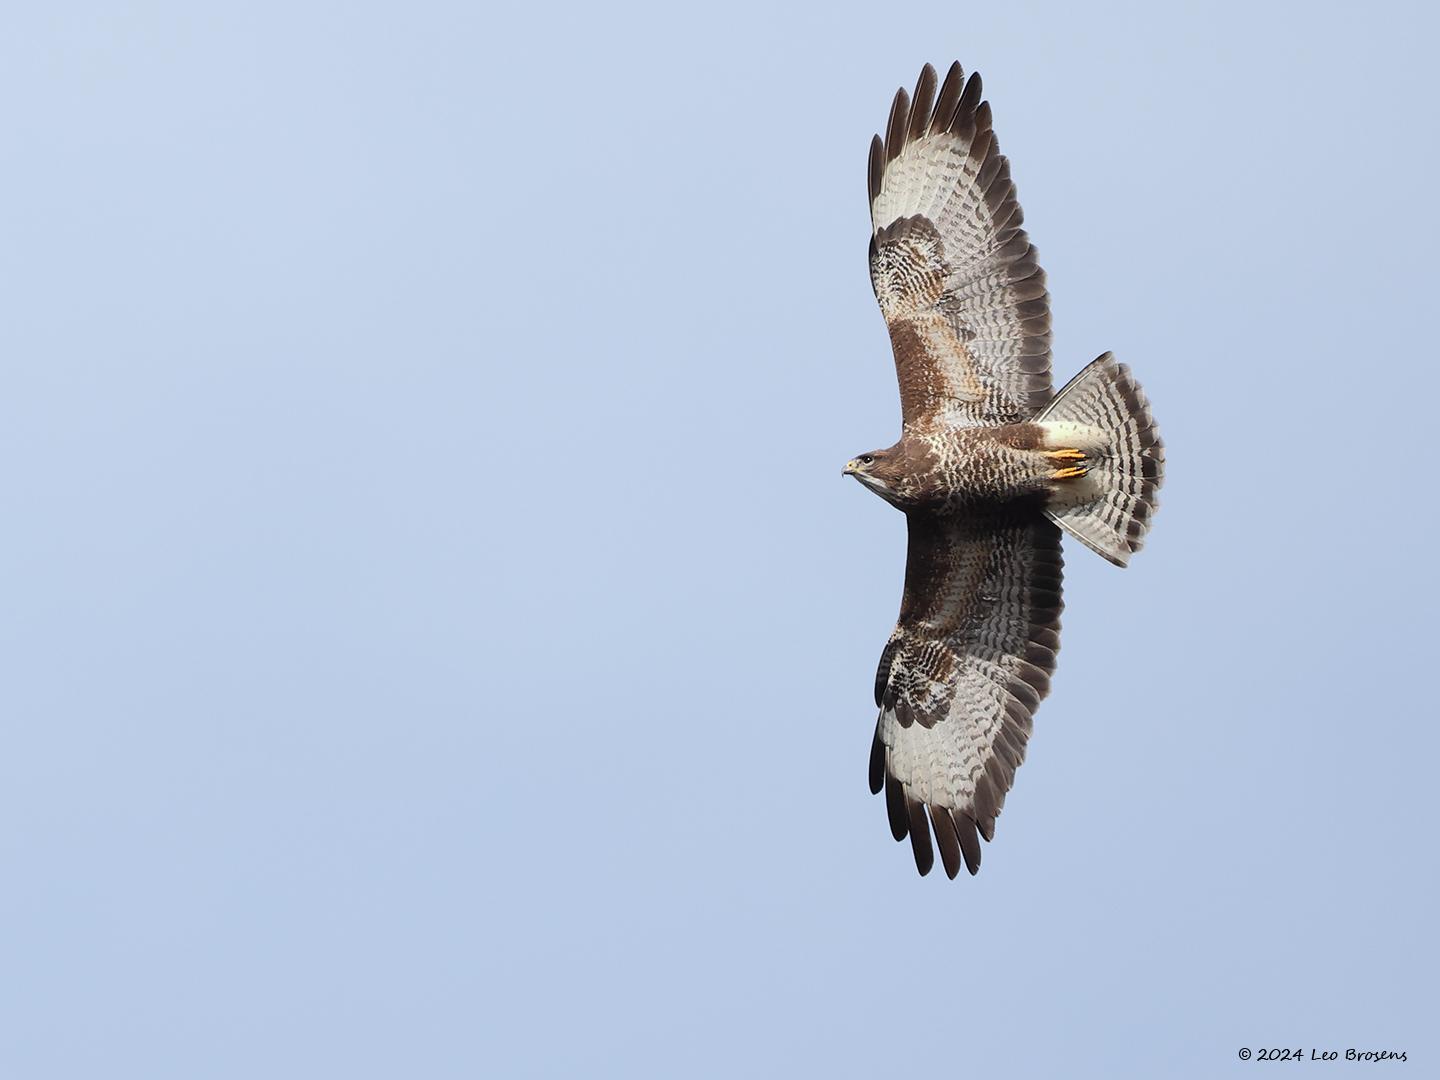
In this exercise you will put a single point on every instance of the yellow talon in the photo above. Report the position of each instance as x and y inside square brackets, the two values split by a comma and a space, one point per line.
[1066, 455]
[1068, 473]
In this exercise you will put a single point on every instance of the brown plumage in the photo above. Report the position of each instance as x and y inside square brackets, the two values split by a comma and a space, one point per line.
[989, 468]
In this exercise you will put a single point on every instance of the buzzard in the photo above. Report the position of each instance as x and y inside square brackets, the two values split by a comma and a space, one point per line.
[990, 469]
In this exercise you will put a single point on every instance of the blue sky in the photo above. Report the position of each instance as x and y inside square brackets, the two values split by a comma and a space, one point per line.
[437, 640]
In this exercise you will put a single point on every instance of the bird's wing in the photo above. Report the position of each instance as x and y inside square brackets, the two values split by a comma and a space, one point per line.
[965, 669]
[955, 274]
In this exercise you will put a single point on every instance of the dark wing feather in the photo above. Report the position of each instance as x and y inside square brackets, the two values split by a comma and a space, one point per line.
[920, 104]
[947, 840]
[965, 669]
[949, 97]
[955, 274]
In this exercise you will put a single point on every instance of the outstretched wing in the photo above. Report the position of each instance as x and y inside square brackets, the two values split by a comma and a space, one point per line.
[964, 671]
[955, 274]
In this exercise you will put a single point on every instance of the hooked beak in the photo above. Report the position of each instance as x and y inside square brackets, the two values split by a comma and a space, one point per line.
[851, 468]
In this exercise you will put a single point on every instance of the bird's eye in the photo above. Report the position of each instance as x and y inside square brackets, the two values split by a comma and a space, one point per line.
[867, 459]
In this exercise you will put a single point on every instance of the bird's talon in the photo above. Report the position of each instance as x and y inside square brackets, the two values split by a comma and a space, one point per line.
[1070, 473]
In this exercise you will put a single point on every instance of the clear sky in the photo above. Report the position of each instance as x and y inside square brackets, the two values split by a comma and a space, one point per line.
[436, 638]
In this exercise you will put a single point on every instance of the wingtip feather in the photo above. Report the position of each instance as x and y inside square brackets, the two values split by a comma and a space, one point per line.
[920, 837]
[921, 103]
[876, 171]
[899, 121]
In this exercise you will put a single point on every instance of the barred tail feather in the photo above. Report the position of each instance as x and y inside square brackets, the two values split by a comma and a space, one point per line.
[1104, 412]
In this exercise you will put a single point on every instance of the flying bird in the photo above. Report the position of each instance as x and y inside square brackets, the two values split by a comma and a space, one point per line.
[991, 467]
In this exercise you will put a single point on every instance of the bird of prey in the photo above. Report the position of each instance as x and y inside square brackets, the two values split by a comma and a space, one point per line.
[990, 469]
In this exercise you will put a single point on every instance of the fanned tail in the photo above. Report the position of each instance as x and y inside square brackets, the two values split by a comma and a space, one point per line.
[1104, 413]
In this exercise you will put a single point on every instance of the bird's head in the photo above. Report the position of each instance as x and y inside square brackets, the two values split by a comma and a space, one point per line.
[878, 470]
